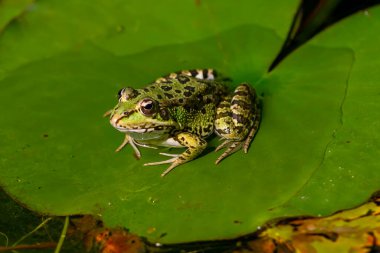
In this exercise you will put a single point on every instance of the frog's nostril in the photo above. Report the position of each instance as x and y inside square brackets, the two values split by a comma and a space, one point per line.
[114, 120]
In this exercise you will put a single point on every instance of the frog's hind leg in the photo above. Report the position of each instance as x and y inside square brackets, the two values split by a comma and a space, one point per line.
[237, 120]
[195, 145]
[253, 131]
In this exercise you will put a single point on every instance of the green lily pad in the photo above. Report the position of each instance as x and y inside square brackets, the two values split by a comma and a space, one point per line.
[12, 9]
[122, 27]
[348, 172]
[57, 154]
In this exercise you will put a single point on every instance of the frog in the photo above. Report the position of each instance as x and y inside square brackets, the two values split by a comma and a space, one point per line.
[182, 110]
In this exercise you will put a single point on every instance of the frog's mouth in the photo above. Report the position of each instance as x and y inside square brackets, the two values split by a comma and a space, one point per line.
[140, 131]
[140, 128]
[148, 133]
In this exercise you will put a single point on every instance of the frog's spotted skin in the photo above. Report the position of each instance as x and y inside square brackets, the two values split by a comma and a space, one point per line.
[237, 120]
[182, 110]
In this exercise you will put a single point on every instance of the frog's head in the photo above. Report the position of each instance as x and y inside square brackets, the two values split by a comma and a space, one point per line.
[138, 113]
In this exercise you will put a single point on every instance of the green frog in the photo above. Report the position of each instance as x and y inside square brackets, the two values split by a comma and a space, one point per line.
[181, 110]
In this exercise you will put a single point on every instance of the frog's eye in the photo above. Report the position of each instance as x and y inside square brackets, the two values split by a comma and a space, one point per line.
[120, 92]
[148, 106]
[127, 93]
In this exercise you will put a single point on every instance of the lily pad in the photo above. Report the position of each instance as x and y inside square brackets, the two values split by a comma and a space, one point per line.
[349, 169]
[12, 9]
[57, 154]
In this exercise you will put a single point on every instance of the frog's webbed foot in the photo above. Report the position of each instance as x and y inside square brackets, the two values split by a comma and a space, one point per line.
[132, 142]
[195, 145]
[232, 147]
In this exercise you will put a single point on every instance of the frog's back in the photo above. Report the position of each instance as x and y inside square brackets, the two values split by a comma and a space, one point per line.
[186, 88]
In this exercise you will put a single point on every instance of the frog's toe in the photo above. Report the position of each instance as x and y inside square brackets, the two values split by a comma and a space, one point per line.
[232, 148]
[251, 134]
[245, 147]
[222, 145]
[167, 154]
[171, 167]
[122, 145]
[173, 162]
[132, 142]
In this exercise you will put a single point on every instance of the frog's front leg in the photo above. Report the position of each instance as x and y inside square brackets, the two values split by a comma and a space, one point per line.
[195, 145]
[237, 120]
[131, 141]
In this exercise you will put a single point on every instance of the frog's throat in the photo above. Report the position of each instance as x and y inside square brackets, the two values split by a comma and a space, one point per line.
[148, 134]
